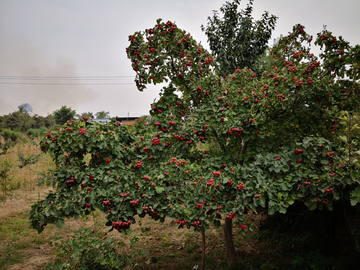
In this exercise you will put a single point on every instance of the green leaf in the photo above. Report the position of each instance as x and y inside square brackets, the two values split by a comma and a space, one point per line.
[159, 190]
[271, 211]
[262, 201]
[282, 210]
[324, 161]
[59, 223]
[355, 196]
[343, 139]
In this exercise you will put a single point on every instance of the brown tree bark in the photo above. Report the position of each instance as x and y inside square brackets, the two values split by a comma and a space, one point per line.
[229, 243]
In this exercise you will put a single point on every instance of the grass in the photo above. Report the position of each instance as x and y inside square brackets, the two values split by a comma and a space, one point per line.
[17, 236]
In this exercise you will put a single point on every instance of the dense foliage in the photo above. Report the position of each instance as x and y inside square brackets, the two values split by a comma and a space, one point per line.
[216, 147]
[64, 114]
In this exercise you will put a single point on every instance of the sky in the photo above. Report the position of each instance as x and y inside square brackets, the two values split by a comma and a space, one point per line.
[76, 48]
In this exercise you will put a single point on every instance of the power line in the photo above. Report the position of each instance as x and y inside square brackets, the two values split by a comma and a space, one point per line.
[63, 78]
[34, 83]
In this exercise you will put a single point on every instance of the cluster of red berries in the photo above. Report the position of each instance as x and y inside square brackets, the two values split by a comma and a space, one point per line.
[106, 203]
[138, 164]
[298, 151]
[155, 141]
[153, 213]
[68, 182]
[178, 137]
[121, 224]
[87, 205]
[230, 216]
[135, 203]
[241, 186]
[82, 131]
[217, 174]
[241, 226]
[181, 222]
[196, 223]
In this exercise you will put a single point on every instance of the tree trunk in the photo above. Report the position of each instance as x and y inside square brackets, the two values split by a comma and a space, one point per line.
[229, 242]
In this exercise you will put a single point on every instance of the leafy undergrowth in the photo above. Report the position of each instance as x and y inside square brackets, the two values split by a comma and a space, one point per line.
[272, 243]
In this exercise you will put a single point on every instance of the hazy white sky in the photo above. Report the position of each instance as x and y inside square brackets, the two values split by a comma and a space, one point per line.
[78, 38]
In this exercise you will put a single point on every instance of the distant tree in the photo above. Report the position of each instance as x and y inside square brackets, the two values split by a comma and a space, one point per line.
[27, 107]
[236, 39]
[19, 120]
[102, 114]
[43, 121]
[63, 114]
[87, 114]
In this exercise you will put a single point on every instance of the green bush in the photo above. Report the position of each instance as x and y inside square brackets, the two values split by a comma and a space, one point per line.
[33, 133]
[89, 250]
[10, 134]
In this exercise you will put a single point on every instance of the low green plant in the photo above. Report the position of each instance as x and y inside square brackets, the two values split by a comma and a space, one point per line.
[89, 250]
[33, 133]
[6, 146]
[10, 134]
[5, 177]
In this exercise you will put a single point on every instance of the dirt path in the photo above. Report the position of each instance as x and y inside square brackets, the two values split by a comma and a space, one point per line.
[21, 200]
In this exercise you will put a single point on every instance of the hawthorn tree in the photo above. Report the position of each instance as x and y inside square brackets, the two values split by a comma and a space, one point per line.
[222, 146]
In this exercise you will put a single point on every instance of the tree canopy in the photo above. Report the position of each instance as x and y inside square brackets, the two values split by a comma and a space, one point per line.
[102, 114]
[63, 114]
[217, 147]
[236, 39]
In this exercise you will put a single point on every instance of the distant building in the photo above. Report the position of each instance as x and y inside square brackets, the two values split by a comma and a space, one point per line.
[101, 120]
[127, 120]
[122, 120]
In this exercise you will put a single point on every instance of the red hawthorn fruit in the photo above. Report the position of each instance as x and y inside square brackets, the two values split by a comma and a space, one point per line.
[82, 131]
[217, 174]
[87, 205]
